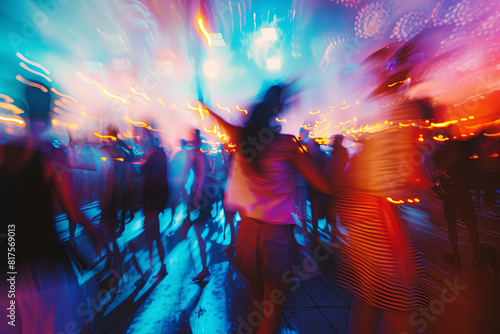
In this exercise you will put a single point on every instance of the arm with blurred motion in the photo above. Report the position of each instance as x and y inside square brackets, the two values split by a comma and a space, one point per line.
[309, 171]
[233, 131]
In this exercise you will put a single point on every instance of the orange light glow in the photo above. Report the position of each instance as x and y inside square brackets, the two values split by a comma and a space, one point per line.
[119, 159]
[475, 156]
[113, 138]
[32, 84]
[136, 123]
[492, 134]
[12, 120]
[203, 30]
[20, 56]
[494, 155]
[68, 125]
[245, 111]
[23, 65]
[6, 98]
[399, 82]
[395, 202]
[114, 97]
[16, 110]
[140, 94]
[350, 105]
[223, 108]
[63, 95]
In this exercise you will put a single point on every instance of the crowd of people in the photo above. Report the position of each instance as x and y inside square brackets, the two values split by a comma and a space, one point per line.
[272, 181]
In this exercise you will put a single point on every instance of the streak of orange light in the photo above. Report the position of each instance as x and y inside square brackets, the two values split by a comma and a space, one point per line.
[18, 54]
[23, 65]
[32, 84]
[63, 95]
[12, 120]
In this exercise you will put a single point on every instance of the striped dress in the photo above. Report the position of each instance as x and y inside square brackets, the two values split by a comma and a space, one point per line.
[378, 262]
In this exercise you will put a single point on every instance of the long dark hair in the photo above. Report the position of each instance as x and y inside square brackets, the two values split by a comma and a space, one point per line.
[258, 123]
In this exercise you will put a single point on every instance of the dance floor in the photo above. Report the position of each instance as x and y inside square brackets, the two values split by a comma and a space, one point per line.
[172, 304]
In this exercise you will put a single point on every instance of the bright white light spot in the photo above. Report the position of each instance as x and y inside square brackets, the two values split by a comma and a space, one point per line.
[269, 34]
[211, 68]
[259, 41]
[273, 63]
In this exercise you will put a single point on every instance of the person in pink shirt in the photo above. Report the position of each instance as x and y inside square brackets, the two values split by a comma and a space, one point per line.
[261, 187]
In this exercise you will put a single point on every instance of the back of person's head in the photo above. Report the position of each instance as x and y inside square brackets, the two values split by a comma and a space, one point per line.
[339, 138]
[112, 130]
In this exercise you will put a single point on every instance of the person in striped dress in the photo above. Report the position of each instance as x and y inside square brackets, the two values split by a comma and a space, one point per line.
[378, 263]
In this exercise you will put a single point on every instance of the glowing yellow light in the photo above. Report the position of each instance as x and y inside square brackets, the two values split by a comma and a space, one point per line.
[115, 97]
[32, 63]
[141, 94]
[161, 102]
[444, 124]
[6, 98]
[420, 139]
[12, 120]
[463, 119]
[395, 202]
[223, 108]
[63, 95]
[68, 125]
[202, 28]
[440, 139]
[103, 158]
[23, 65]
[280, 120]
[417, 200]
[314, 113]
[245, 111]
[118, 159]
[105, 137]
[343, 108]
[32, 84]
[140, 124]
[393, 84]
[16, 110]
[471, 117]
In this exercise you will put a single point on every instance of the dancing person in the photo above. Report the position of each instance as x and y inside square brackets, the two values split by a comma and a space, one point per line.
[452, 157]
[261, 187]
[154, 198]
[377, 248]
[334, 171]
[33, 173]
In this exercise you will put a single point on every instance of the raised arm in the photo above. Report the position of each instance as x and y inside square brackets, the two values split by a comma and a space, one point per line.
[232, 131]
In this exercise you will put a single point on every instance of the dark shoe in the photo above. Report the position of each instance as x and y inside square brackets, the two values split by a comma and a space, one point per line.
[162, 273]
[203, 276]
